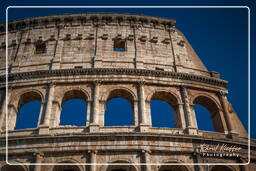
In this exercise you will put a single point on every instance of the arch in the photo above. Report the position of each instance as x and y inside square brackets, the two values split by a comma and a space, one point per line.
[72, 166]
[77, 100]
[13, 100]
[177, 167]
[122, 92]
[17, 167]
[213, 108]
[28, 97]
[119, 101]
[173, 168]
[204, 99]
[169, 116]
[171, 97]
[123, 167]
[75, 94]
[222, 168]
[31, 101]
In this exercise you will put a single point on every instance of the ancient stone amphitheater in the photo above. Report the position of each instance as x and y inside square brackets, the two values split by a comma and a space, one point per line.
[97, 57]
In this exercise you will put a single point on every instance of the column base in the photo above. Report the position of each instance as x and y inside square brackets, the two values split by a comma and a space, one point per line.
[232, 134]
[94, 128]
[43, 130]
[143, 128]
[191, 131]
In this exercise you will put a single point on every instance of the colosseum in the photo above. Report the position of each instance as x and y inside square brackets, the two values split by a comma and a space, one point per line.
[98, 57]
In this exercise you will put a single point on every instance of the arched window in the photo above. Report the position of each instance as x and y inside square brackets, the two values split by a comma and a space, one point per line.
[74, 108]
[164, 110]
[119, 109]
[29, 107]
[12, 168]
[116, 167]
[162, 114]
[204, 121]
[207, 112]
[67, 167]
[222, 168]
[173, 168]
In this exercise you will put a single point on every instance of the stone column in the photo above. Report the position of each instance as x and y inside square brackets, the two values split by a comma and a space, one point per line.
[44, 127]
[12, 116]
[94, 125]
[93, 159]
[193, 116]
[190, 117]
[181, 116]
[146, 159]
[2, 111]
[40, 118]
[142, 108]
[244, 167]
[135, 113]
[88, 113]
[223, 100]
[38, 161]
[55, 114]
[47, 117]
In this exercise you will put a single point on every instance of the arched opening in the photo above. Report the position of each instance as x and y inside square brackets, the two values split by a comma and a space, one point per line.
[74, 108]
[128, 167]
[29, 107]
[173, 168]
[12, 168]
[162, 114]
[164, 110]
[204, 121]
[119, 109]
[222, 168]
[207, 112]
[66, 168]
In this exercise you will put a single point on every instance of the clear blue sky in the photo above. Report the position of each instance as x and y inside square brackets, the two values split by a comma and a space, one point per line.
[219, 36]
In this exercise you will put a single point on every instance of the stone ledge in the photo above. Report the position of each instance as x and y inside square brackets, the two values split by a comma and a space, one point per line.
[111, 71]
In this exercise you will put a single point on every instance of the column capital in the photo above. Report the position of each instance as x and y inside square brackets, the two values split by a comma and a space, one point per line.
[97, 82]
[223, 92]
[92, 151]
[146, 151]
[50, 84]
[141, 82]
[38, 154]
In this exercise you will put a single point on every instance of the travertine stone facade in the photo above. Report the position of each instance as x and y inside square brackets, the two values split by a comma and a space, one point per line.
[56, 58]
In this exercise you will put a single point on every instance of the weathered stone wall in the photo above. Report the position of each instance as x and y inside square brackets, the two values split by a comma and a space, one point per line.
[79, 62]
[88, 43]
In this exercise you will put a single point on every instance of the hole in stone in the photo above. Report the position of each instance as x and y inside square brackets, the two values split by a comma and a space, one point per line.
[73, 112]
[118, 112]
[162, 114]
[28, 115]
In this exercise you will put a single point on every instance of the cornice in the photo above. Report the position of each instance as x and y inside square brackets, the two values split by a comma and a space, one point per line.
[112, 71]
[88, 19]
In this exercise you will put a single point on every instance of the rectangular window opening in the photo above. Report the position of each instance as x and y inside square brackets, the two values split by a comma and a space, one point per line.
[159, 69]
[119, 45]
[40, 48]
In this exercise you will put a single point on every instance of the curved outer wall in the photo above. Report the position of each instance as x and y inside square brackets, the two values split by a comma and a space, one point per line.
[56, 58]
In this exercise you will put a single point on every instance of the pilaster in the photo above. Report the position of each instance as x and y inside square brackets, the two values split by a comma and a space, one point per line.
[44, 127]
[142, 108]
[228, 119]
[94, 125]
[190, 117]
